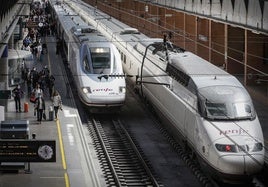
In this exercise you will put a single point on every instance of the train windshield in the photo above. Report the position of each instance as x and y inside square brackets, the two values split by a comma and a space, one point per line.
[225, 103]
[101, 59]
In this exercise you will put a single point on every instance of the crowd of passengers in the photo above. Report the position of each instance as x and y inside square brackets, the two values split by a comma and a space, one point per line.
[40, 24]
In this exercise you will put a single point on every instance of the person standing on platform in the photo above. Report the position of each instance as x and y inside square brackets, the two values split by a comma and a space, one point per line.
[17, 94]
[51, 83]
[23, 70]
[45, 73]
[37, 91]
[34, 77]
[39, 52]
[29, 82]
[40, 107]
[58, 47]
[57, 103]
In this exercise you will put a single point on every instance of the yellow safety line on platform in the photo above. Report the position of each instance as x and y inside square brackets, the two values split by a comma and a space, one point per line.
[61, 145]
[66, 177]
[62, 154]
[67, 184]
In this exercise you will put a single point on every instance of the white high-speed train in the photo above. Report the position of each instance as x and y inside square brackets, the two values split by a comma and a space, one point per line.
[95, 62]
[207, 108]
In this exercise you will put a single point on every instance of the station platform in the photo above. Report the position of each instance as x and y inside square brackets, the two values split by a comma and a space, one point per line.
[76, 163]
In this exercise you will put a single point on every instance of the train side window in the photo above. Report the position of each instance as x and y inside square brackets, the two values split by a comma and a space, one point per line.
[192, 87]
[114, 64]
[122, 56]
[200, 106]
[178, 75]
[86, 66]
[265, 55]
[125, 59]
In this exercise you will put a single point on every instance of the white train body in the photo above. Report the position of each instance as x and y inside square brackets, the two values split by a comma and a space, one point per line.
[209, 108]
[95, 62]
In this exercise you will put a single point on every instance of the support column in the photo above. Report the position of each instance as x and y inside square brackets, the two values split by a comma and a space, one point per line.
[226, 46]
[209, 41]
[4, 73]
[184, 32]
[195, 38]
[246, 57]
[4, 76]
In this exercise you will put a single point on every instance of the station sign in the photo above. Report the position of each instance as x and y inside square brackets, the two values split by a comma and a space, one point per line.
[27, 150]
[31, 24]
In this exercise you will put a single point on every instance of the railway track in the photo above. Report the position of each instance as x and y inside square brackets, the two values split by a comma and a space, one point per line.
[121, 161]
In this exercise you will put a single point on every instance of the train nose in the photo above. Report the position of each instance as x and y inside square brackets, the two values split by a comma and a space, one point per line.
[239, 155]
[239, 168]
[246, 164]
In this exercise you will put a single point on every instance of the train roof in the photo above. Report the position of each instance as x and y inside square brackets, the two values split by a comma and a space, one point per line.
[202, 72]
[67, 17]
[199, 70]
[88, 34]
[192, 66]
[75, 26]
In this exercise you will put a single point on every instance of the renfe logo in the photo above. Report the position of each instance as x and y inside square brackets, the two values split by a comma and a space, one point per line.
[103, 90]
[234, 131]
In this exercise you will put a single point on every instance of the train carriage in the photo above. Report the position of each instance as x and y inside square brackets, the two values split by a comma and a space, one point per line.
[93, 60]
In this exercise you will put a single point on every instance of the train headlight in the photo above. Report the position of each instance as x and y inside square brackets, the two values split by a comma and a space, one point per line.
[257, 147]
[86, 90]
[242, 148]
[122, 89]
[226, 148]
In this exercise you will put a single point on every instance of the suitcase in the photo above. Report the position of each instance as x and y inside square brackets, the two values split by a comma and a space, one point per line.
[26, 107]
[51, 114]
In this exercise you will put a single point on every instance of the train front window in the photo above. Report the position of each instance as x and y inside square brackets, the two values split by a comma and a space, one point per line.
[225, 103]
[242, 110]
[101, 59]
[216, 110]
